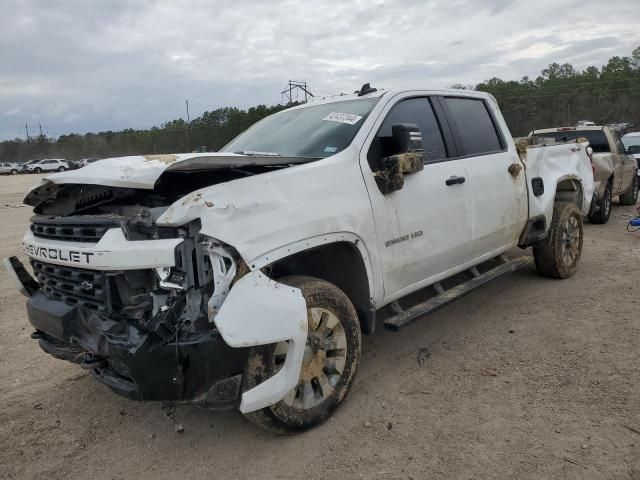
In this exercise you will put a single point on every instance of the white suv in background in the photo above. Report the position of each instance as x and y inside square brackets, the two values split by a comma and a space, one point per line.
[48, 165]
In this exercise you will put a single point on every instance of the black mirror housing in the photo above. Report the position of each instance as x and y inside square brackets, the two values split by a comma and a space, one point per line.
[407, 138]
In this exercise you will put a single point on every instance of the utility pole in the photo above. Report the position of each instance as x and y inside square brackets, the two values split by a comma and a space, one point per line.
[26, 129]
[188, 124]
[41, 136]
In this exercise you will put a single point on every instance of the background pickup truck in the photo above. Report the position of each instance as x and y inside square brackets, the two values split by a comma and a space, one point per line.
[615, 171]
[245, 278]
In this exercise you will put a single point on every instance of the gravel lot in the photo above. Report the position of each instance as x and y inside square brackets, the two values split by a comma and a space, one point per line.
[525, 378]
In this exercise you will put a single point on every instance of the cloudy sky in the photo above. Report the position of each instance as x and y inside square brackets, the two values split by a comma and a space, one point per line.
[81, 65]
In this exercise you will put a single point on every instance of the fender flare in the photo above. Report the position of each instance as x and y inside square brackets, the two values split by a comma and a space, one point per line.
[309, 243]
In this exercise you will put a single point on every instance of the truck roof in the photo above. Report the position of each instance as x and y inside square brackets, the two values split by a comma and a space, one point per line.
[392, 92]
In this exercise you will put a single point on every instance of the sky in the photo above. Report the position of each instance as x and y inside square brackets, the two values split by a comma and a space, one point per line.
[83, 65]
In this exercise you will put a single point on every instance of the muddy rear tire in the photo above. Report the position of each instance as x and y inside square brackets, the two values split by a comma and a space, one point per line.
[603, 213]
[631, 196]
[558, 255]
[331, 358]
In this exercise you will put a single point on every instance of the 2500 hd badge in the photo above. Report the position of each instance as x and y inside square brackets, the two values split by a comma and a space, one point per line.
[48, 253]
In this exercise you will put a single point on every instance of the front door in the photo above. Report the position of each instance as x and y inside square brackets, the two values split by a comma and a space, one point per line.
[423, 229]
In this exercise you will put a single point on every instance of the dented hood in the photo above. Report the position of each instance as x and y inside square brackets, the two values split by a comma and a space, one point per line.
[142, 171]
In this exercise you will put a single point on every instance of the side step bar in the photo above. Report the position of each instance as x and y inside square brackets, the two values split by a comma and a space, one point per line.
[410, 315]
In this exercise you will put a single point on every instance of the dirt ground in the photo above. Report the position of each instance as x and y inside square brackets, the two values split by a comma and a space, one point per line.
[524, 378]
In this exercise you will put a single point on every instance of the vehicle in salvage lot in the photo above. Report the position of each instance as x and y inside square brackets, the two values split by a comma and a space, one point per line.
[631, 142]
[47, 165]
[245, 278]
[23, 166]
[9, 168]
[615, 171]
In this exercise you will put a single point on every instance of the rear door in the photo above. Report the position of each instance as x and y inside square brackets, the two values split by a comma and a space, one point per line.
[495, 174]
[49, 165]
[423, 230]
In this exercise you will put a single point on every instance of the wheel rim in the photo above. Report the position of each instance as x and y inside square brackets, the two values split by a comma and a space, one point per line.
[570, 241]
[607, 202]
[324, 360]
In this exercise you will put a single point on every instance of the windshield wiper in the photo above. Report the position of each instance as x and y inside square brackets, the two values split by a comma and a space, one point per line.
[251, 153]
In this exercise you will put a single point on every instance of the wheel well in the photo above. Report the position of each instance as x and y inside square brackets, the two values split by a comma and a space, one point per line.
[339, 263]
[570, 190]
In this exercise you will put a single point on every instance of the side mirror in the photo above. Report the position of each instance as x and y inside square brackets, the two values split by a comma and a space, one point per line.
[633, 150]
[407, 141]
[407, 138]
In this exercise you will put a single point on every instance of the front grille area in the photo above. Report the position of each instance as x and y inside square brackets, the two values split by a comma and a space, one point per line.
[74, 286]
[71, 232]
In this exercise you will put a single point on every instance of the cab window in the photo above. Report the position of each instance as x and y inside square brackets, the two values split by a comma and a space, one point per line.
[476, 130]
[413, 110]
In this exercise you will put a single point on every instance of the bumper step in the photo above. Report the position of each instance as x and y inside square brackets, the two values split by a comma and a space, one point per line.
[444, 296]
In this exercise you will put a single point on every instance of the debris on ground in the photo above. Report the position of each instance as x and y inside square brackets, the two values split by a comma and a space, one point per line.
[423, 355]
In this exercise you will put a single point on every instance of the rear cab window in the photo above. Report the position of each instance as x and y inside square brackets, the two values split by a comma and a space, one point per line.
[597, 138]
[475, 128]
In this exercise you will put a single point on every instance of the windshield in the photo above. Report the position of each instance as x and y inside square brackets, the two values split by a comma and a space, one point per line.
[317, 131]
[630, 140]
[597, 138]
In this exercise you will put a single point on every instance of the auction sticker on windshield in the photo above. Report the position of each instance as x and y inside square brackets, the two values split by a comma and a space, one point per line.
[348, 118]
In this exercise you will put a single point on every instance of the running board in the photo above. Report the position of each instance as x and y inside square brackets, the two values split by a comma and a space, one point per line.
[410, 315]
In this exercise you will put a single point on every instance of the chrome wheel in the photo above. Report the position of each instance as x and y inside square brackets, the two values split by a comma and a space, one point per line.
[324, 360]
[570, 241]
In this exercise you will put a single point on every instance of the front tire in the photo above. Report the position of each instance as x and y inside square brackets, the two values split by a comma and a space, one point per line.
[330, 362]
[38, 170]
[631, 196]
[61, 169]
[558, 255]
[603, 213]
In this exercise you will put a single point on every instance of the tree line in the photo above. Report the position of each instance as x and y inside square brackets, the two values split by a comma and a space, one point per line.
[560, 96]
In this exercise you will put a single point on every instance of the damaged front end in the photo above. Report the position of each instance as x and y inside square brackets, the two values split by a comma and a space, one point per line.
[154, 312]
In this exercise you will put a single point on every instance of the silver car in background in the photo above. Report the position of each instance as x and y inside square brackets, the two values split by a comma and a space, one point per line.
[9, 169]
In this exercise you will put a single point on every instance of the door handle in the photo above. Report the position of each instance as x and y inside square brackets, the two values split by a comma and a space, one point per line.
[454, 180]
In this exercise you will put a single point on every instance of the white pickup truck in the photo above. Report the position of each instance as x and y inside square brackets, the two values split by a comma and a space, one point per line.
[245, 278]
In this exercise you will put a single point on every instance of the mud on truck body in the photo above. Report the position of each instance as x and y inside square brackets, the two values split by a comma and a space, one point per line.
[245, 278]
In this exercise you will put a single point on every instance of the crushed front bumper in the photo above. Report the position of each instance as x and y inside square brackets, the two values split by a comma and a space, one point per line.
[198, 368]
[92, 305]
